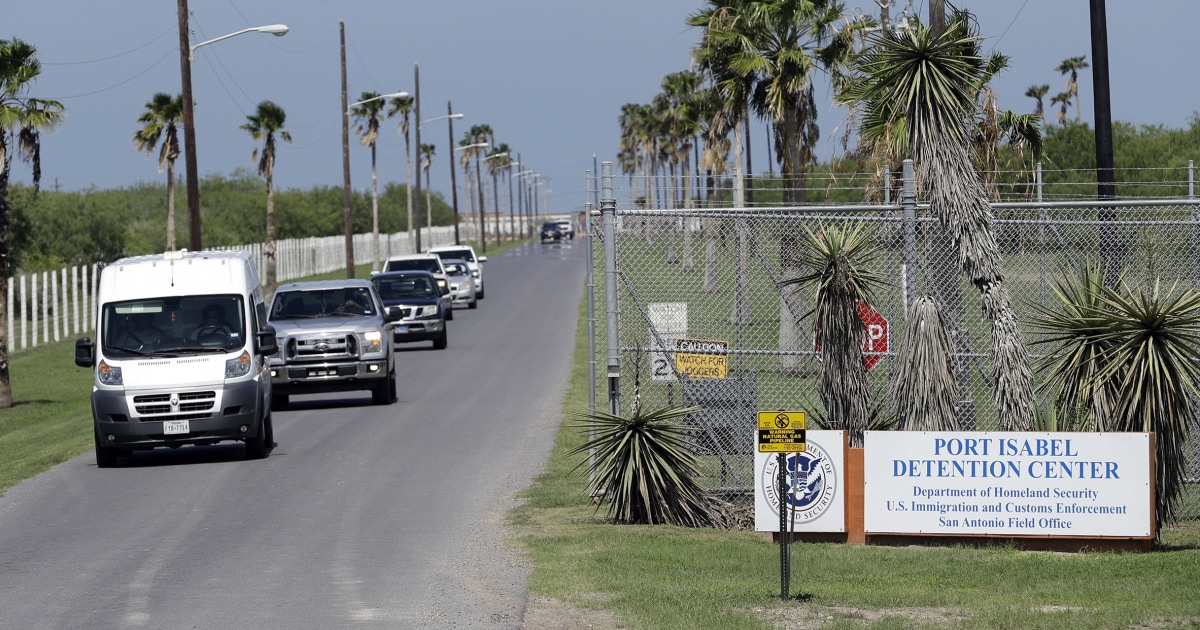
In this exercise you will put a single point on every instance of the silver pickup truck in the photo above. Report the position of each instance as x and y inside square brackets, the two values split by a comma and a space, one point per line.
[333, 336]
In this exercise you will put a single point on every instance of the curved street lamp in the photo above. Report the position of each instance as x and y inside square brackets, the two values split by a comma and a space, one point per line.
[189, 118]
[278, 30]
[376, 98]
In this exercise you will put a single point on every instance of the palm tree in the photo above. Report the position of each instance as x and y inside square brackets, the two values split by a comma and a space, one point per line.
[368, 115]
[682, 123]
[1036, 92]
[264, 125]
[839, 262]
[427, 151]
[161, 121]
[1070, 68]
[771, 51]
[478, 134]
[22, 118]
[1063, 99]
[403, 106]
[924, 388]
[924, 84]
[497, 165]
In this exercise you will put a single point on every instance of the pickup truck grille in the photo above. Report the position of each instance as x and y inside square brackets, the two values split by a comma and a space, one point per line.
[154, 407]
[322, 348]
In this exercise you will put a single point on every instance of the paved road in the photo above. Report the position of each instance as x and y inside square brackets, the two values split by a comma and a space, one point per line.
[385, 517]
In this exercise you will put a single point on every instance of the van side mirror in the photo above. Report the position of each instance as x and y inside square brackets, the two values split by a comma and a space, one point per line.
[85, 352]
[266, 342]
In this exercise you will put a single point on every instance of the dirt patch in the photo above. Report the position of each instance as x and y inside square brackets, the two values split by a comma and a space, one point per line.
[813, 617]
[544, 613]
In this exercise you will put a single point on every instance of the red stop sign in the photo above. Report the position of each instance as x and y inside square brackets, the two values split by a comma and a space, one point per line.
[875, 341]
[875, 334]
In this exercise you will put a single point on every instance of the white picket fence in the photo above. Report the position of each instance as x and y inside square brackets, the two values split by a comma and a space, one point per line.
[50, 306]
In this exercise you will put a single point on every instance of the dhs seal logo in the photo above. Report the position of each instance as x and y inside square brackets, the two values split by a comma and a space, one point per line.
[810, 483]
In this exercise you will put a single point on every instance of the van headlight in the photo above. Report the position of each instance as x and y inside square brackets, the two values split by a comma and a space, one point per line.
[239, 366]
[373, 341]
[109, 375]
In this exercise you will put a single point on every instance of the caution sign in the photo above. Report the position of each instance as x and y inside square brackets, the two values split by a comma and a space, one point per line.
[781, 432]
[702, 358]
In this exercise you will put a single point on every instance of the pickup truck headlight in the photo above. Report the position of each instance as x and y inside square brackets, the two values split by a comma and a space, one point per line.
[426, 312]
[239, 366]
[372, 341]
[109, 375]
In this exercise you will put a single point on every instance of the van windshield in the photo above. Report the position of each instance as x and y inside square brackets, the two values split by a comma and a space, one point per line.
[173, 326]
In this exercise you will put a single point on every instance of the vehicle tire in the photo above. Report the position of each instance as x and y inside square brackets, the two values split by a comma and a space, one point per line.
[440, 342]
[269, 426]
[449, 313]
[279, 402]
[474, 303]
[479, 294]
[384, 393]
[105, 457]
[256, 447]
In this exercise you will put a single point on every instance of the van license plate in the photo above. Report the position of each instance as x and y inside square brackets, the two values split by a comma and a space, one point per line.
[175, 427]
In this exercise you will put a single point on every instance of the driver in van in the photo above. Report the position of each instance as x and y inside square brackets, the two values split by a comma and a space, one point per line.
[213, 324]
[139, 332]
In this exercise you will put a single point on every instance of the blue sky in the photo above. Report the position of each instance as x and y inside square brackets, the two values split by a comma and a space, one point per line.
[549, 76]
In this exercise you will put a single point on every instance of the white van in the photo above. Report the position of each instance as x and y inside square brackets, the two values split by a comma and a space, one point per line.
[181, 354]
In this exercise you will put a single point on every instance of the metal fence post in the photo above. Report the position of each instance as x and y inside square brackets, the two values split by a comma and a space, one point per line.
[608, 214]
[908, 202]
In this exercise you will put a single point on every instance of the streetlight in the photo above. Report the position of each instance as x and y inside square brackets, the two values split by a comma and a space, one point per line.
[189, 119]
[512, 222]
[376, 98]
[527, 216]
[479, 185]
[453, 184]
[278, 30]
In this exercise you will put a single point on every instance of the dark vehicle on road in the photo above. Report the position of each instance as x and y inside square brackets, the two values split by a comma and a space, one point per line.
[419, 307]
[552, 231]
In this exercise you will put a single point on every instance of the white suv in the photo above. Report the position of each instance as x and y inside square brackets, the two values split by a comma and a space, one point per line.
[467, 253]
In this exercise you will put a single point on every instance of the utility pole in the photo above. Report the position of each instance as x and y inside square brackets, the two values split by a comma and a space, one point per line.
[189, 130]
[349, 217]
[453, 183]
[1112, 243]
[417, 109]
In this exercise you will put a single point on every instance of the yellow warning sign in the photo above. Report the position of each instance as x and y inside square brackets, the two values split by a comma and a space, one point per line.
[702, 358]
[781, 432]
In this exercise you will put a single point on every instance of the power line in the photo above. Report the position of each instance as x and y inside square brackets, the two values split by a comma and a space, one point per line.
[132, 50]
[116, 85]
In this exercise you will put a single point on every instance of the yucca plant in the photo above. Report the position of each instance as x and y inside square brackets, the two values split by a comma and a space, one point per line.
[644, 469]
[839, 262]
[1128, 356]
[1082, 402]
[924, 389]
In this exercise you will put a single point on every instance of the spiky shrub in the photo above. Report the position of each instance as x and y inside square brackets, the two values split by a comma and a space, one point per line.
[1082, 402]
[923, 385]
[839, 262]
[643, 468]
[1143, 343]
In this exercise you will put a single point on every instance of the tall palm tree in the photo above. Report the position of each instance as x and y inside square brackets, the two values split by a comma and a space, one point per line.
[1037, 92]
[1070, 68]
[682, 123]
[923, 83]
[496, 166]
[427, 152]
[771, 51]
[264, 125]
[478, 134]
[368, 115]
[160, 121]
[1063, 99]
[22, 118]
[403, 106]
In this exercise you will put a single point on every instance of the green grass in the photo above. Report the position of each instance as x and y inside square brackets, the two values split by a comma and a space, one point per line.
[670, 577]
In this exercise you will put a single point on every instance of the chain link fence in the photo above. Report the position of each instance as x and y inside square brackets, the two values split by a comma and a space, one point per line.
[714, 277]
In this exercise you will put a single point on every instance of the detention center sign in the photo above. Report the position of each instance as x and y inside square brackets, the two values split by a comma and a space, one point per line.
[702, 358]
